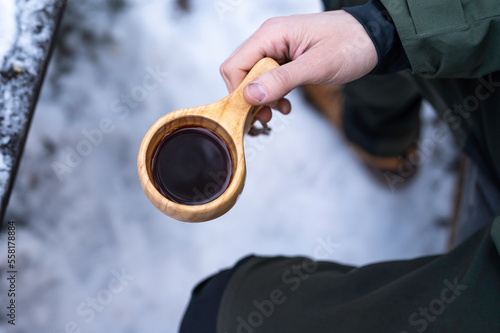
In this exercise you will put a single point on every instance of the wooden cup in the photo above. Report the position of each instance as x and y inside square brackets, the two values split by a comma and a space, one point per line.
[230, 118]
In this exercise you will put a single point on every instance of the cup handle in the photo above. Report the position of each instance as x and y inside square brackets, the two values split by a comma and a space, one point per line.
[238, 101]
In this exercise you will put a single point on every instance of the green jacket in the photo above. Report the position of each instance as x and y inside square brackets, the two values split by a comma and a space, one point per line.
[449, 38]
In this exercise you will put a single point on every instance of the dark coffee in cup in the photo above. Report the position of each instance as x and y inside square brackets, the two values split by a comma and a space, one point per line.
[192, 166]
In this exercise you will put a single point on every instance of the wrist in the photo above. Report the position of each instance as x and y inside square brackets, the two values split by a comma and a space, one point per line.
[379, 26]
[359, 49]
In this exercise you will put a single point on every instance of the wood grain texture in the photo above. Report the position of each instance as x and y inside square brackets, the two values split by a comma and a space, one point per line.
[231, 118]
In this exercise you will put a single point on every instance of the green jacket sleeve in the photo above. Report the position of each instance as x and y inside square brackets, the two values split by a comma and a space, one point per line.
[449, 38]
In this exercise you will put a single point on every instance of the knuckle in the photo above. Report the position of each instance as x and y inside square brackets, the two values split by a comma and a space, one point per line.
[222, 69]
[272, 22]
[267, 23]
[282, 77]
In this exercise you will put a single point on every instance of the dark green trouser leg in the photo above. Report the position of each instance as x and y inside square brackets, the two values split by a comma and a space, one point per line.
[381, 113]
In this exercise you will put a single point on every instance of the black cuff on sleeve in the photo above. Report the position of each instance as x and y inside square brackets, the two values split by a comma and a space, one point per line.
[379, 26]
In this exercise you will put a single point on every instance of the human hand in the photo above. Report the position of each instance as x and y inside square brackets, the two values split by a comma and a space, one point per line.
[324, 48]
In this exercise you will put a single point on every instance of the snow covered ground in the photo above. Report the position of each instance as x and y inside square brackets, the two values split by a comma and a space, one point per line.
[94, 254]
[7, 26]
[24, 43]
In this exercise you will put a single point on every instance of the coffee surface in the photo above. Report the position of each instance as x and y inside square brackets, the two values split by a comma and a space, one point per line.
[192, 166]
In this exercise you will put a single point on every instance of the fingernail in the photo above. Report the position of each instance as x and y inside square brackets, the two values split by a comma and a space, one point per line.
[256, 91]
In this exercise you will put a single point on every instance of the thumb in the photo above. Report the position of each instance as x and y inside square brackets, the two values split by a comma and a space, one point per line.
[274, 84]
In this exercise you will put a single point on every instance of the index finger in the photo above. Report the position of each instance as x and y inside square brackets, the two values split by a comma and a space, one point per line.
[260, 45]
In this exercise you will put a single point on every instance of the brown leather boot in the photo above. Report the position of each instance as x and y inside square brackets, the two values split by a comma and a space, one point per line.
[391, 172]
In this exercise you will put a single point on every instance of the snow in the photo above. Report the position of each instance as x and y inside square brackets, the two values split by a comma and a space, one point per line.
[24, 36]
[79, 228]
[7, 26]
[33, 29]
[4, 163]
